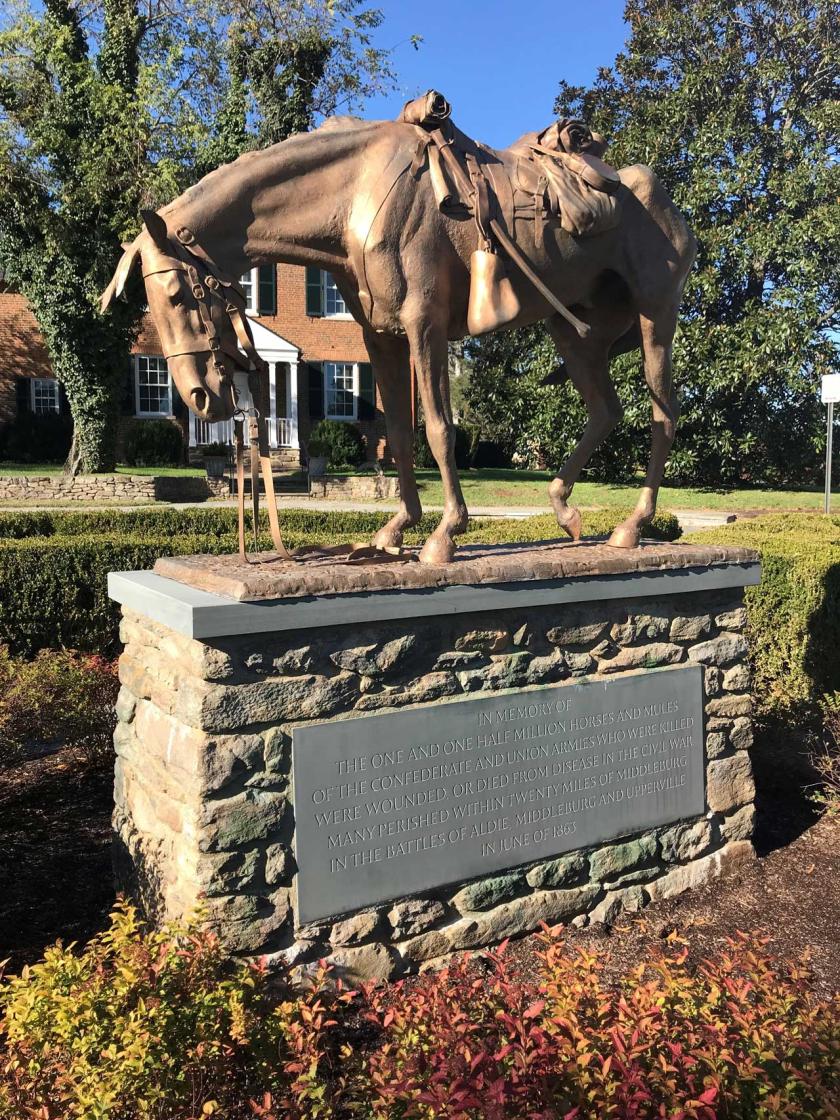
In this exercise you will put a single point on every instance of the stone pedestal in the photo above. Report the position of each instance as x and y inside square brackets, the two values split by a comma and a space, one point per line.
[224, 664]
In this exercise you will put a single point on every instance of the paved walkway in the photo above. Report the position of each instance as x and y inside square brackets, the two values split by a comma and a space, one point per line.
[690, 520]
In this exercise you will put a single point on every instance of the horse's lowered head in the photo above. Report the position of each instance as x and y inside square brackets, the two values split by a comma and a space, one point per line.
[193, 309]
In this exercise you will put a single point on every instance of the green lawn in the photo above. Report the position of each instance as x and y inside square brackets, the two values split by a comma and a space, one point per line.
[529, 488]
[7, 469]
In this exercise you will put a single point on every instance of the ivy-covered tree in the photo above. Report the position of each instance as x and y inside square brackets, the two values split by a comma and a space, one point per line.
[68, 150]
[735, 106]
[105, 108]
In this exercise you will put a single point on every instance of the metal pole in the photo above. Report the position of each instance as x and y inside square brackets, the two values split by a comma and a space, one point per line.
[829, 433]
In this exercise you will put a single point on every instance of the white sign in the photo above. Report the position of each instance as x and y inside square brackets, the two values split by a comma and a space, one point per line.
[831, 388]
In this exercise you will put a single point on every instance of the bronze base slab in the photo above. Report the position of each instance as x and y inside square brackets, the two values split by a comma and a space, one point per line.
[476, 564]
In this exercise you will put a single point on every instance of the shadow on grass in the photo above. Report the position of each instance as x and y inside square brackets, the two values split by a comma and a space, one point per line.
[783, 778]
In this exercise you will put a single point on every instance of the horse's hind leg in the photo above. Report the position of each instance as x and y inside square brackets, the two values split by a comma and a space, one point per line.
[427, 339]
[390, 360]
[657, 338]
[587, 363]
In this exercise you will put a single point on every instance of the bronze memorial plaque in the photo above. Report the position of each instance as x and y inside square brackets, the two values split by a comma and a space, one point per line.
[393, 804]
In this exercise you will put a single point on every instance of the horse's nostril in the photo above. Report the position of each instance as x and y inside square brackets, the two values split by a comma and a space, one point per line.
[199, 401]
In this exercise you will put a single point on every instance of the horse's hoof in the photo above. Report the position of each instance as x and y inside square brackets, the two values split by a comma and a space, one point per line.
[624, 536]
[437, 550]
[387, 538]
[571, 522]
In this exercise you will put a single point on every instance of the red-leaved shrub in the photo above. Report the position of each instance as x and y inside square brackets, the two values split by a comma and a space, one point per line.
[145, 1025]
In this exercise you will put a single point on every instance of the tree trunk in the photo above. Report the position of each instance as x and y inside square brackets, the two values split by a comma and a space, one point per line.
[94, 395]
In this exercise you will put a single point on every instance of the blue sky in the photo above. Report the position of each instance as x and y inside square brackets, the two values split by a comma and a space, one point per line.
[498, 61]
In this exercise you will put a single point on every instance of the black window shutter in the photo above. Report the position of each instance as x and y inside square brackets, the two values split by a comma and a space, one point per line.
[129, 402]
[267, 294]
[314, 291]
[316, 391]
[179, 409]
[23, 388]
[367, 392]
[63, 402]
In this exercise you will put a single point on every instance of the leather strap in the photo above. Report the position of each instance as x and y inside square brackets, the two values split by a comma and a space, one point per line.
[253, 441]
[514, 252]
[481, 201]
[239, 439]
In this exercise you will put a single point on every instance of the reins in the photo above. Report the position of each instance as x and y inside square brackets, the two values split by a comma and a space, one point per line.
[213, 291]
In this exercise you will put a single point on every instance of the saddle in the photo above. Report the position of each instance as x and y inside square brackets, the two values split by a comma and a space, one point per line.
[553, 176]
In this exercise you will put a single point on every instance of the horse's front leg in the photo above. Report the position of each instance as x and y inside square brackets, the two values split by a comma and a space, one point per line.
[390, 360]
[427, 339]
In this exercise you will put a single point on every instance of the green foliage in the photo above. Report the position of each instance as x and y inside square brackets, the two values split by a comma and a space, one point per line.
[826, 758]
[54, 565]
[56, 697]
[794, 613]
[70, 129]
[37, 438]
[343, 444]
[734, 106]
[216, 450]
[143, 1024]
[104, 108]
[153, 443]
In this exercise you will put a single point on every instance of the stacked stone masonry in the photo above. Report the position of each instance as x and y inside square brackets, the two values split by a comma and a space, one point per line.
[203, 787]
[125, 489]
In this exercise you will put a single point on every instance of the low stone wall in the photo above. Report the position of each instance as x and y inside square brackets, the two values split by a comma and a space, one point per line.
[361, 487]
[123, 489]
[204, 805]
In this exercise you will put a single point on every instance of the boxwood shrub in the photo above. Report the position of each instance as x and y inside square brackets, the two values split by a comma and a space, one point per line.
[794, 613]
[54, 564]
[344, 443]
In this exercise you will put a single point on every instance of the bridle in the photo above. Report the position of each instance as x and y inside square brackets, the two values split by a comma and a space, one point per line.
[221, 300]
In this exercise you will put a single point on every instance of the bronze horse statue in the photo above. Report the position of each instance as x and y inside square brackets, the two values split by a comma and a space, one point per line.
[367, 201]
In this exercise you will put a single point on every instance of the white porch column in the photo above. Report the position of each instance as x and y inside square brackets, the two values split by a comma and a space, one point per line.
[294, 439]
[273, 441]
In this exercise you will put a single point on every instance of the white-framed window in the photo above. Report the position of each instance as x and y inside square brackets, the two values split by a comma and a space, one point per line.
[334, 305]
[341, 390]
[44, 392]
[250, 286]
[152, 387]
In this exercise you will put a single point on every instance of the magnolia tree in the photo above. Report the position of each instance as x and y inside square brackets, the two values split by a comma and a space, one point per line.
[734, 105]
[109, 106]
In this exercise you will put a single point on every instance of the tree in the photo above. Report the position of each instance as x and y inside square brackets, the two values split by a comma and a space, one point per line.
[104, 110]
[67, 151]
[734, 106]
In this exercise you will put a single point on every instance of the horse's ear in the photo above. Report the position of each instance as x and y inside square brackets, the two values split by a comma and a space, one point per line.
[118, 280]
[156, 227]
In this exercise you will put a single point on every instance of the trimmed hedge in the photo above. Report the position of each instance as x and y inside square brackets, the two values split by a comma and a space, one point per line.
[54, 564]
[794, 613]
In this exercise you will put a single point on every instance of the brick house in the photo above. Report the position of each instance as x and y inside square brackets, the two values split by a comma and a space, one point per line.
[314, 349]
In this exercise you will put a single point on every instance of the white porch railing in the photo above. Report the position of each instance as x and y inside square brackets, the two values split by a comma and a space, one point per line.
[282, 432]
